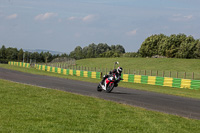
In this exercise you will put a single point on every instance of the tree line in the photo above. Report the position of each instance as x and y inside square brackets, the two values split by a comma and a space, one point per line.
[13, 54]
[173, 46]
[100, 50]
[90, 51]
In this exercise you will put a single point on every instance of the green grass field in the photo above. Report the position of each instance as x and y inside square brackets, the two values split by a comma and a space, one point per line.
[145, 87]
[26, 109]
[139, 65]
[145, 66]
[169, 64]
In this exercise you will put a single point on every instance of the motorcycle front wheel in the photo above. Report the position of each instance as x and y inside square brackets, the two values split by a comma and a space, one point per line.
[99, 88]
[110, 87]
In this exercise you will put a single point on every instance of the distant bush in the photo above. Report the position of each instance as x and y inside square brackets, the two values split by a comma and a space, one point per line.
[95, 51]
[3, 61]
[173, 46]
[131, 54]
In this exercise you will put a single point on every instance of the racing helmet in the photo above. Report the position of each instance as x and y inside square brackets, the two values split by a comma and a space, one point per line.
[119, 69]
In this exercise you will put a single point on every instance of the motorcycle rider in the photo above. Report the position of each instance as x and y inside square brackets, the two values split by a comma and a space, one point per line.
[115, 72]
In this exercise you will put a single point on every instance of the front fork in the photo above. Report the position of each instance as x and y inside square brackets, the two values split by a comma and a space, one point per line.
[104, 86]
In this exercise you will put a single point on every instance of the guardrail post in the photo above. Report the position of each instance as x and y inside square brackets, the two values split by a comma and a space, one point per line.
[101, 76]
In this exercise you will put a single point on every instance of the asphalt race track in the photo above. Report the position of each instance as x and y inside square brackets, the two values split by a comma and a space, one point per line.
[185, 107]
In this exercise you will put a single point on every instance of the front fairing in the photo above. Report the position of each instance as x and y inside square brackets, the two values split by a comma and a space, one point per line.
[114, 78]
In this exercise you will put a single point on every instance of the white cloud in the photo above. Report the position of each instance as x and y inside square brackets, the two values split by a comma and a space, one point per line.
[180, 17]
[188, 17]
[132, 33]
[13, 16]
[72, 18]
[88, 18]
[45, 16]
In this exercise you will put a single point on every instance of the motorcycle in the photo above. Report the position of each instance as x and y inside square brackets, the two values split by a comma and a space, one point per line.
[109, 84]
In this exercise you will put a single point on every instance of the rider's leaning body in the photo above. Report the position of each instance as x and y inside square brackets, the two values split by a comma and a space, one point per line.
[115, 73]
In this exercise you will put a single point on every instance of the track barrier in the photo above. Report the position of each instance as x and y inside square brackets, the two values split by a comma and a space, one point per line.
[162, 81]
[143, 79]
[80, 73]
[21, 64]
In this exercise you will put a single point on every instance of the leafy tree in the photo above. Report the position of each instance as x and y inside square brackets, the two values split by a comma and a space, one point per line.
[119, 48]
[84, 52]
[185, 46]
[151, 46]
[162, 46]
[27, 57]
[20, 55]
[35, 56]
[46, 56]
[109, 54]
[174, 46]
[3, 52]
[55, 56]
[197, 49]
[42, 57]
[100, 50]
[102, 47]
[78, 53]
[92, 51]
[72, 55]
[116, 54]
[63, 55]
[11, 54]
[112, 47]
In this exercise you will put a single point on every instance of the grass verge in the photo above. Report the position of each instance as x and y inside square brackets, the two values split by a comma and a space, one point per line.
[25, 108]
[161, 64]
[170, 65]
[160, 89]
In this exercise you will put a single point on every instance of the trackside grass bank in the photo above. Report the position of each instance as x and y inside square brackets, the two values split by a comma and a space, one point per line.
[170, 64]
[160, 89]
[25, 108]
[181, 68]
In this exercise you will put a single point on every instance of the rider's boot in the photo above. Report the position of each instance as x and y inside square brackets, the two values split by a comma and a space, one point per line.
[104, 77]
[102, 82]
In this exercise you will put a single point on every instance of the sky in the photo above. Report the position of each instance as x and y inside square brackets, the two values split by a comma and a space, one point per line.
[61, 25]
